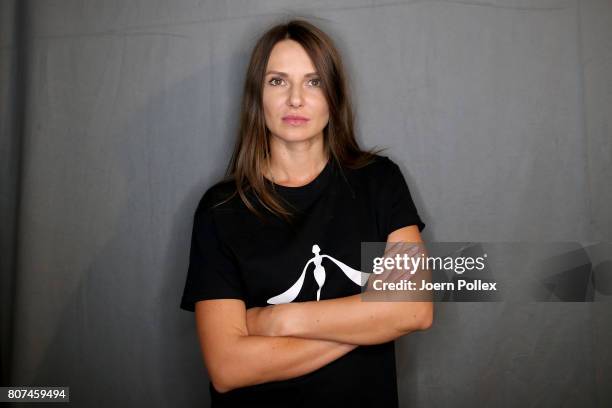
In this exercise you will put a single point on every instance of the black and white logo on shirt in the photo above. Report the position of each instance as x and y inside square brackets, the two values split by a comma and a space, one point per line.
[358, 277]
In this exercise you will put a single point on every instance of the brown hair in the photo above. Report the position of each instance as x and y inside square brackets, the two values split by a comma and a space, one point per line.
[252, 150]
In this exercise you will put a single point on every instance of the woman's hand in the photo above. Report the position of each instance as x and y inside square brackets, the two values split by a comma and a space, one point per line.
[264, 321]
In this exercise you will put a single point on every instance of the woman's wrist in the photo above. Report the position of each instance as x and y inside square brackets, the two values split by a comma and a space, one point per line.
[288, 319]
[273, 320]
[281, 319]
[277, 320]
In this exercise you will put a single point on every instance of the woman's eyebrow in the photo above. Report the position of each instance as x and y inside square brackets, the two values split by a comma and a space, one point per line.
[284, 74]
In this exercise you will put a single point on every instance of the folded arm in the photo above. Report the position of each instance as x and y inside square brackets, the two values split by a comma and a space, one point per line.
[236, 359]
[349, 319]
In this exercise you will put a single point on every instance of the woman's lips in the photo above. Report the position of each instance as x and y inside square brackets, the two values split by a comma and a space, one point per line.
[295, 120]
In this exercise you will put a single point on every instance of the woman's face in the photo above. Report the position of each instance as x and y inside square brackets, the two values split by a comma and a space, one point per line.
[295, 107]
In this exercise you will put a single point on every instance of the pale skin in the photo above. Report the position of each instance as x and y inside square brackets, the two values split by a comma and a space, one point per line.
[247, 347]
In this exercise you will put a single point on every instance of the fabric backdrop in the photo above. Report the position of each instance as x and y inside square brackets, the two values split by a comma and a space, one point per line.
[116, 115]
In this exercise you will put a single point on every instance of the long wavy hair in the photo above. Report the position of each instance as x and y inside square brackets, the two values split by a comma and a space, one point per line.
[251, 153]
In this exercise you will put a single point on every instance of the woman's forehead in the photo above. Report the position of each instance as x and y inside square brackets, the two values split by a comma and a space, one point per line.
[289, 57]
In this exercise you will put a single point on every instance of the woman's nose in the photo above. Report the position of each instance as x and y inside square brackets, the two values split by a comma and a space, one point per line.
[295, 97]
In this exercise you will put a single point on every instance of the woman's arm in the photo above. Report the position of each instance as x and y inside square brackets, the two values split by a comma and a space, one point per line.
[348, 319]
[236, 359]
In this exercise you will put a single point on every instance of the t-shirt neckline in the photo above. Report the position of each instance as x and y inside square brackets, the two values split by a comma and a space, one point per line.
[313, 185]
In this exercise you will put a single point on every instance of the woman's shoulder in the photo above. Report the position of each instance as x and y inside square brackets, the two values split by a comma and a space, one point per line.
[379, 167]
[221, 195]
[380, 176]
[383, 161]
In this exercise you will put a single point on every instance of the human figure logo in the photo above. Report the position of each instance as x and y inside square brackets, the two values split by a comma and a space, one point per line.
[358, 277]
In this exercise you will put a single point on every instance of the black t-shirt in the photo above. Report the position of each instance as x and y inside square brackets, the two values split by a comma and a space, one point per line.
[237, 256]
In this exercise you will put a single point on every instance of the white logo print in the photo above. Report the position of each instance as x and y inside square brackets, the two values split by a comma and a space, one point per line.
[360, 278]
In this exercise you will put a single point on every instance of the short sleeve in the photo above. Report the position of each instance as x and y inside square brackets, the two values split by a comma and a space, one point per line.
[212, 272]
[397, 208]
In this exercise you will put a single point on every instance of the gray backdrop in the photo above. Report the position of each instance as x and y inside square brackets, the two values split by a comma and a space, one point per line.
[116, 115]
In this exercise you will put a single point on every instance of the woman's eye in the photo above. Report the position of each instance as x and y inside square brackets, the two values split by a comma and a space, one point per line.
[315, 82]
[275, 81]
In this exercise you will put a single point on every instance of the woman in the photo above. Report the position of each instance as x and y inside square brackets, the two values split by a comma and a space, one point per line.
[273, 276]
